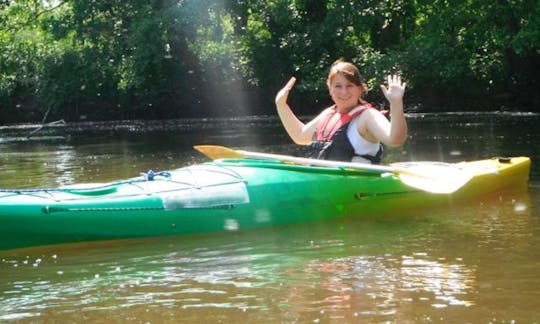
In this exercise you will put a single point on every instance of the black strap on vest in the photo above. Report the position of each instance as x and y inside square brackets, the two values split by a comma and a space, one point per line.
[339, 148]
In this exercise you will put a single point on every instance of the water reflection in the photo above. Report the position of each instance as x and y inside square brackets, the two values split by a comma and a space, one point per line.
[344, 287]
[376, 287]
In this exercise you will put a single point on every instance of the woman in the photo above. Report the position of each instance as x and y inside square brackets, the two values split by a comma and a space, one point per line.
[351, 129]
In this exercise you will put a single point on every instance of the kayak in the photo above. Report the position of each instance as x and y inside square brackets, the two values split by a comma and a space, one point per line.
[232, 194]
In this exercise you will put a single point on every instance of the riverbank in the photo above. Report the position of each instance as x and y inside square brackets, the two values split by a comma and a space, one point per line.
[120, 127]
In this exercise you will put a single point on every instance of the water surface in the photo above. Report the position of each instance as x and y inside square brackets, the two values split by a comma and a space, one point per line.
[474, 262]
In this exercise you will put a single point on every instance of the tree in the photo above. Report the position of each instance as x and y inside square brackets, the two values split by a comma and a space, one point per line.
[179, 58]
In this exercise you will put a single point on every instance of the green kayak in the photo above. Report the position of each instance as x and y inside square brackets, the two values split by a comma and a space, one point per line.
[233, 194]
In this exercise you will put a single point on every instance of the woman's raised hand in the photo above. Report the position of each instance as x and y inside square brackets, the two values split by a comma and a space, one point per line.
[395, 90]
[283, 94]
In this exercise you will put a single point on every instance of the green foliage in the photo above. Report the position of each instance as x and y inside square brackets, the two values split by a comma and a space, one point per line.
[174, 58]
[473, 48]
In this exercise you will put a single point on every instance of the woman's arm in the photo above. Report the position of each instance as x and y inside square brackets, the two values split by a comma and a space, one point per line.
[299, 132]
[393, 133]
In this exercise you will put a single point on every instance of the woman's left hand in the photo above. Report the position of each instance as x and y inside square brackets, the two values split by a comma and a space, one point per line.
[395, 90]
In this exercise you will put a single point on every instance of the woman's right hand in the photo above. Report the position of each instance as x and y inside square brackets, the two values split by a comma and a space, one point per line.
[283, 94]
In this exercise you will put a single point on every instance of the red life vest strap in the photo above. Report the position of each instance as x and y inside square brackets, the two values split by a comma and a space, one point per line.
[325, 132]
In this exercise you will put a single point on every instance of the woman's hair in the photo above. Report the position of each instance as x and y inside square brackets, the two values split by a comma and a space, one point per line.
[349, 71]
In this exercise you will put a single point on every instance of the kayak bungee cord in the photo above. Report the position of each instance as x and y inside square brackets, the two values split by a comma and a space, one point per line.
[149, 176]
[141, 183]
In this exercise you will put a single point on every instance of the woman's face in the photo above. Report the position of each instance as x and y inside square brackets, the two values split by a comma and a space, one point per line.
[344, 93]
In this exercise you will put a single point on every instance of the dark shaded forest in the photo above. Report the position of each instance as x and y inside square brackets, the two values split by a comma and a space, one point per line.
[160, 59]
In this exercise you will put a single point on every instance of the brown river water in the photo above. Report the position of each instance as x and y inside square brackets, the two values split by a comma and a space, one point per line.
[477, 262]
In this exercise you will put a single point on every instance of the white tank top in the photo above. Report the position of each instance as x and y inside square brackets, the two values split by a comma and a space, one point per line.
[361, 145]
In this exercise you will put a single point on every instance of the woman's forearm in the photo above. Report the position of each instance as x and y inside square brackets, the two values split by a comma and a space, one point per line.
[398, 124]
[293, 125]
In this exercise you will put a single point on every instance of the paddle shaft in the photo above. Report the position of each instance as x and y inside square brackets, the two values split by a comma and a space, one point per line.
[315, 162]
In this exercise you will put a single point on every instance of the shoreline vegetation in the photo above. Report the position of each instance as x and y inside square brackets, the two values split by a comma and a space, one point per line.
[156, 60]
